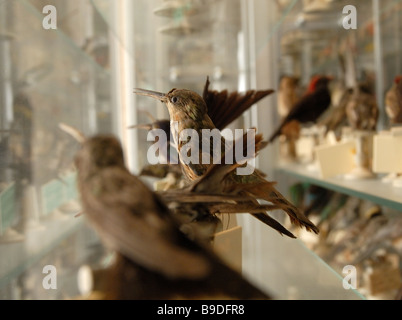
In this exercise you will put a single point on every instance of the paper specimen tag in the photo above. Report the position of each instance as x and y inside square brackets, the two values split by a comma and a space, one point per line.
[387, 153]
[336, 159]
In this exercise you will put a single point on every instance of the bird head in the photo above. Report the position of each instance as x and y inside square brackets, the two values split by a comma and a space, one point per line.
[398, 79]
[318, 81]
[97, 152]
[181, 103]
[289, 81]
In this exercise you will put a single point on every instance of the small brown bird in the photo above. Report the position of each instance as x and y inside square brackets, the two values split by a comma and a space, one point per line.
[362, 109]
[393, 102]
[287, 98]
[310, 107]
[223, 107]
[156, 260]
[336, 118]
[287, 95]
[189, 111]
[19, 140]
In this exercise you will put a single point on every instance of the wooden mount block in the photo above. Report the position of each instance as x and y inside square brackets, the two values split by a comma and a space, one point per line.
[228, 245]
[383, 276]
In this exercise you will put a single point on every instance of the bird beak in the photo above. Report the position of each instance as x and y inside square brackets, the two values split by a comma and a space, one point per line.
[141, 126]
[153, 94]
[74, 132]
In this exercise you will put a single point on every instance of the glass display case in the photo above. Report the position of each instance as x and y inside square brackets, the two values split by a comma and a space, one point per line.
[82, 73]
[48, 77]
[316, 39]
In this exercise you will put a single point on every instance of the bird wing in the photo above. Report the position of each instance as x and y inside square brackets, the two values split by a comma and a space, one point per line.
[133, 221]
[212, 178]
[220, 178]
[309, 108]
[224, 107]
[336, 118]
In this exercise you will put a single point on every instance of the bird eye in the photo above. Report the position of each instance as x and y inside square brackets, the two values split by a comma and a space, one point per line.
[174, 99]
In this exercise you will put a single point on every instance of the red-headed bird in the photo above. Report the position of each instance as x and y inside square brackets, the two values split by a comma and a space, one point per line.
[310, 107]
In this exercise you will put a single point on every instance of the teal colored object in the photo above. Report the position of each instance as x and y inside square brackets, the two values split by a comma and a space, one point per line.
[7, 207]
[52, 196]
[70, 187]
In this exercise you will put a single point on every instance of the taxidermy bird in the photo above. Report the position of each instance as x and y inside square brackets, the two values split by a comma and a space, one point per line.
[287, 95]
[223, 108]
[393, 102]
[19, 140]
[337, 118]
[362, 109]
[163, 125]
[155, 259]
[310, 107]
[221, 195]
[167, 170]
[188, 110]
[384, 232]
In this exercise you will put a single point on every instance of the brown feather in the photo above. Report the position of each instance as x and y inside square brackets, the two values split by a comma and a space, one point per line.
[224, 108]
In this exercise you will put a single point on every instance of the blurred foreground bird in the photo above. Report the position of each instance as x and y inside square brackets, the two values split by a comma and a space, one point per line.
[189, 111]
[155, 259]
[393, 102]
[310, 107]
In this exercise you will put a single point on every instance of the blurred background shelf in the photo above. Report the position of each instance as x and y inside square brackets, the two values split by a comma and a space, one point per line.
[369, 189]
[36, 245]
[304, 276]
[77, 43]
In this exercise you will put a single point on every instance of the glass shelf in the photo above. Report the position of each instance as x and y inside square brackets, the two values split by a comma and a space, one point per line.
[51, 68]
[62, 79]
[37, 244]
[369, 189]
[33, 7]
[288, 269]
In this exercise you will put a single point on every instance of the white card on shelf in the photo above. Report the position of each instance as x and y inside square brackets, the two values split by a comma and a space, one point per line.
[228, 245]
[387, 153]
[336, 159]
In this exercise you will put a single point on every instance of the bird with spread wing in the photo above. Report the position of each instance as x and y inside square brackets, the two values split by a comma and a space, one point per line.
[190, 111]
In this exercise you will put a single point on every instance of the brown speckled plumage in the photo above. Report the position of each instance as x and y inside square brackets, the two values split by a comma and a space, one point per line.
[180, 102]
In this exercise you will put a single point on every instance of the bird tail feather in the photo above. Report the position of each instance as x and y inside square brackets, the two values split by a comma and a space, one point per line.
[266, 191]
